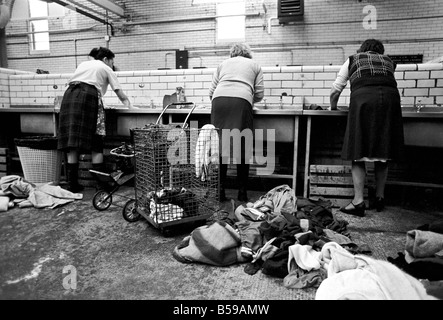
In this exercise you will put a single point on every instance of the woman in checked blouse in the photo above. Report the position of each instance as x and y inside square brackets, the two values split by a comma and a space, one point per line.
[374, 131]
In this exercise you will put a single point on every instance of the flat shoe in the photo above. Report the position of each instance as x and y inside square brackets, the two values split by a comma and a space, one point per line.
[357, 210]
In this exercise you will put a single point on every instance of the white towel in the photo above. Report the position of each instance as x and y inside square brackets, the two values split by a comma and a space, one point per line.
[305, 257]
[206, 151]
[4, 203]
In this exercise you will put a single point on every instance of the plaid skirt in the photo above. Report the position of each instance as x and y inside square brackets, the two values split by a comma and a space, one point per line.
[78, 119]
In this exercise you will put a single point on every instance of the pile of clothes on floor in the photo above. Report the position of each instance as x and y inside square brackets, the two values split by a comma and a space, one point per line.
[300, 241]
[16, 191]
[423, 256]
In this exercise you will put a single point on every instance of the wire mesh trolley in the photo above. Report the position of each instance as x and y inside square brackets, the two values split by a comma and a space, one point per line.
[175, 180]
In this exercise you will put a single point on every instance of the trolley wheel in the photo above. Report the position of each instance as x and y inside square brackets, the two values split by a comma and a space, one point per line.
[130, 213]
[102, 200]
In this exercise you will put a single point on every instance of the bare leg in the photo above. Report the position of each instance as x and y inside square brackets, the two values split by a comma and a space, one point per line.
[358, 178]
[381, 175]
[97, 157]
[72, 156]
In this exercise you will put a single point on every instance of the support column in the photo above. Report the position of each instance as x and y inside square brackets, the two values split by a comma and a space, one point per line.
[3, 53]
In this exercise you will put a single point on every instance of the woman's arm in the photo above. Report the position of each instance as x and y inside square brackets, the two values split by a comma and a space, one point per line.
[333, 98]
[339, 84]
[214, 83]
[124, 99]
[259, 89]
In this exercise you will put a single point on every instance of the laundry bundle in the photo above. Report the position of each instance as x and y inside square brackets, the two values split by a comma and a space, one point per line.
[14, 188]
[216, 244]
[164, 212]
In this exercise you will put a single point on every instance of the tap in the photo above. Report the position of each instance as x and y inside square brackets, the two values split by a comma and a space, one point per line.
[284, 94]
[419, 106]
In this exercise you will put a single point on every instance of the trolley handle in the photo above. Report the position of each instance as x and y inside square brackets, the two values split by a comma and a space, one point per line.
[114, 152]
[177, 104]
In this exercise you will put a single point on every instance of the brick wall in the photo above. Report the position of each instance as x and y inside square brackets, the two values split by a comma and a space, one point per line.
[307, 84]
[328, 33]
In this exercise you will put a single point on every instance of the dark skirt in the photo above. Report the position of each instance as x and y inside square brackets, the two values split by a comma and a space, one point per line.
[375, 125]
[78, 119]
[233, 113]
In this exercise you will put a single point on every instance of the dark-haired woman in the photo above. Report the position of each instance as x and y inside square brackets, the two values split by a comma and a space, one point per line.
[81, 119]
[374, 131]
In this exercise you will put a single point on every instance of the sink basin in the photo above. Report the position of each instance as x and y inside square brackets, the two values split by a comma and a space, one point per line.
[276, 106]
[424, 128]
[426, 109]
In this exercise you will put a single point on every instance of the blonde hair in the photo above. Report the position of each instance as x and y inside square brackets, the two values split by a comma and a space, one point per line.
[241, 49]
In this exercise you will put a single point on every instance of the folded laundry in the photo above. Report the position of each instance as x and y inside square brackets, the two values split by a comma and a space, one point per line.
[164, 212]
[4, 203]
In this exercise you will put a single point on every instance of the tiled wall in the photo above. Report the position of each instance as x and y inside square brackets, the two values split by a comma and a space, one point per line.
[307, 84]
[5, 92]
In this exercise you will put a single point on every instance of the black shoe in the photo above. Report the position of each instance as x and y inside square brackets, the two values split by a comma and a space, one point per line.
[357, 210]
[242, 196]
[379, 204]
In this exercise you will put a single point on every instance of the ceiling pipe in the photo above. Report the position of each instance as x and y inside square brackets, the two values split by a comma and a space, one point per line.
[269, 24]
[19, 34]
[189, 19]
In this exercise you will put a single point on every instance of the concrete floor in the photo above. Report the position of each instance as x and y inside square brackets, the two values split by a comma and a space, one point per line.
[40, 249]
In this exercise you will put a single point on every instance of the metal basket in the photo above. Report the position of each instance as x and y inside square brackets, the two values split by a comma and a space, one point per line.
[167, 188]
[40, 166]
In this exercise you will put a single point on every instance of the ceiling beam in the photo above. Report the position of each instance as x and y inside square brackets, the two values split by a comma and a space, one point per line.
[87, 14]
[110, 6]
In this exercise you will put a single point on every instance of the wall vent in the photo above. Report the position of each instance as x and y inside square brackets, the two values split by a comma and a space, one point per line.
[290, 10]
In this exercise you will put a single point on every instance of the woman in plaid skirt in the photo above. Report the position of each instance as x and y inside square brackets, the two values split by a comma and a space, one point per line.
[81, 120]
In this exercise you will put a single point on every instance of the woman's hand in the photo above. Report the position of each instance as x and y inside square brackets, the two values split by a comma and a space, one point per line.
[333, 99]
[124, 99]
[129, 105]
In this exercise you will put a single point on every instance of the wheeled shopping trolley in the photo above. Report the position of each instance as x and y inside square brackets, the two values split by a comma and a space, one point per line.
[176, 172]
[111, 182]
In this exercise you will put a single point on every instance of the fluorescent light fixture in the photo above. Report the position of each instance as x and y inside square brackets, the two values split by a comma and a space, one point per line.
[110, 6]
[213, 1]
